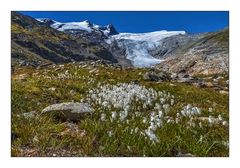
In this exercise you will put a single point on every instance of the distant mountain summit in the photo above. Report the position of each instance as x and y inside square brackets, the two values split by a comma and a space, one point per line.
[76, 27]
[34, 43]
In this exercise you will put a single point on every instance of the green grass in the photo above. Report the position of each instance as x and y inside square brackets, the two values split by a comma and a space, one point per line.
[45, 136]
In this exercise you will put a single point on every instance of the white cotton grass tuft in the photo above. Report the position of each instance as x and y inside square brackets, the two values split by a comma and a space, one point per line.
[189, 111]
[151, 135]
[210, 109]
[103, 117]
[144, 120]
[110, 133]
[121, 96]
[225, 123]
[123, 104]
[114, 115]
[121, 100]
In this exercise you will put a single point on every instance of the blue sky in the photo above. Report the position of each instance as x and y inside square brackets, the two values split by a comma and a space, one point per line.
[190, 21]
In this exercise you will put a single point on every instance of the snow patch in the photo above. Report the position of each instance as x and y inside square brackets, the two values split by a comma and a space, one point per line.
[85, 26]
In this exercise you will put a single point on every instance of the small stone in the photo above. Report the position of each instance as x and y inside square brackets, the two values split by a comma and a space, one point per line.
[209, 84]
[52, 89]
[171, 84]
[22, 77]
[223, 92]
[31, 114]
[35, 139]
[185, 155]
[224, 123]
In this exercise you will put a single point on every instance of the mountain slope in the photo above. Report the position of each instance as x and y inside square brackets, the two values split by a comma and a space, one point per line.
[36, 44]
[207, 55]
[44, 41]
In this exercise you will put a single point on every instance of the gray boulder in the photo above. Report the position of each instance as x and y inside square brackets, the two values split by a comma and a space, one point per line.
[68, 110]
[151, 76]
[156, 76]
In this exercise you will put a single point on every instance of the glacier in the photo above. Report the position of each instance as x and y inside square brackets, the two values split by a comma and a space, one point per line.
[137, 45]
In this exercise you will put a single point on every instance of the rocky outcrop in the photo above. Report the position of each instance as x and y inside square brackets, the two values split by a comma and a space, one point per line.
[208, 55]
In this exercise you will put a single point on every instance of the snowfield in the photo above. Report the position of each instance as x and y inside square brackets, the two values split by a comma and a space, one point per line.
[83, 25]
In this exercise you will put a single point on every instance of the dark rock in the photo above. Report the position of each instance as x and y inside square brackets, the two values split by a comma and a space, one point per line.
[14, 136]
[151, 76]
[135, 81]
[163, 75]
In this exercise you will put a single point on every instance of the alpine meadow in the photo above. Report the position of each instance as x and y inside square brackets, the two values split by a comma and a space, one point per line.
[84, 89]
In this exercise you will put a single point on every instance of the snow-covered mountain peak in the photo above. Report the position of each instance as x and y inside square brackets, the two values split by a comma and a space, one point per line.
[137, 46]
[46, 21]
[79, 26]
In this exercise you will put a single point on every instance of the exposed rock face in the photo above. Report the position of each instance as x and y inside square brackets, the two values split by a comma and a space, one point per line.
[174, 45]
[68, 110]
[209, 55]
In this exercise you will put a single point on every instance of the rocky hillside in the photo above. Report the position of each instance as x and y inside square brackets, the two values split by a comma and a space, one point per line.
[43, 41]
[34, 43]
[207, 55]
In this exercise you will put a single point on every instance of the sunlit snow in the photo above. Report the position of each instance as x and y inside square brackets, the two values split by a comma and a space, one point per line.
[137, 45]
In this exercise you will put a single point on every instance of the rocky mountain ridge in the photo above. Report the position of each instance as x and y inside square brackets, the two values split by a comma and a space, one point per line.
[44, 41]
[36, 44]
